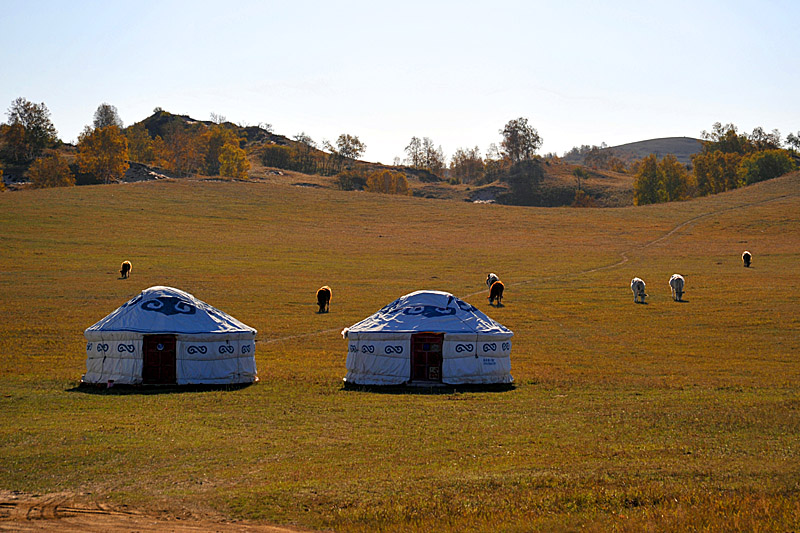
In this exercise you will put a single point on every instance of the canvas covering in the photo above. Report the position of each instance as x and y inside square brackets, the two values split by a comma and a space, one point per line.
[212, 347]
[476, 349]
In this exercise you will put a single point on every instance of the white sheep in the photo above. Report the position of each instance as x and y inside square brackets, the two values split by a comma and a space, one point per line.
[637, 286]
[676, 283]
[746, 258]
[491, 278]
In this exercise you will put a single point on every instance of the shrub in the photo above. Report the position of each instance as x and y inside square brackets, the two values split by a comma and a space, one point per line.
[760, 166]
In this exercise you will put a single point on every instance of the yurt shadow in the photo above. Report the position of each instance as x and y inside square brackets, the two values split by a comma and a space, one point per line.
[437, 390]
[152, 390]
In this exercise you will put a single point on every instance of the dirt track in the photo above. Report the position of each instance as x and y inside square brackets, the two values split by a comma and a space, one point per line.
[69, 512]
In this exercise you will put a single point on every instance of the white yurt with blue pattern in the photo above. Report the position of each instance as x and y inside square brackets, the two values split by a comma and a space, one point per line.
[428, 337]
[167, 336]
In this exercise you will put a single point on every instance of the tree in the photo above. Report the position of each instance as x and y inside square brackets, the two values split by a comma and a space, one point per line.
[141, 147]
[524, 178]
[183, 150]
[349, 146]
[103, 152]
[520, 140]
[50, 171]
[15, 149]
[414, 151]
[387, 182]
[645, 184]
[716, 171]
[673, 179]
[764, 165]
[725, 139]
[762, 140]
[233, 162]
[216, 138]
[466, 165]
[793, 141]
[39, 132]
[433, 159]
[351, 180]
[106, 115]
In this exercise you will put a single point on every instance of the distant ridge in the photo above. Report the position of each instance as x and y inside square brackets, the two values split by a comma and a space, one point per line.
[683, 148]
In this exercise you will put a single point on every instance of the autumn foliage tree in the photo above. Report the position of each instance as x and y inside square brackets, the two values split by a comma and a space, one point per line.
[50, 170]
[103, 152]
[233, 162]
[216, 138]
[34, 131]
[466, 165]
[387, 182]
[660, 181]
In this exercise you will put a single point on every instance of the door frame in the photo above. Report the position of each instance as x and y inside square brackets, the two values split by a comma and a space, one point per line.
[159, 367]
[435, 356]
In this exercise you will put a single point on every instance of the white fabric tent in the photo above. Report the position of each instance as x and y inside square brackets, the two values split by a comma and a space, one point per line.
[428, 337]
[166, 335]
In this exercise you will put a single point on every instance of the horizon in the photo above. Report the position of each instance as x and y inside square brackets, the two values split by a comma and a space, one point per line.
[581, 74]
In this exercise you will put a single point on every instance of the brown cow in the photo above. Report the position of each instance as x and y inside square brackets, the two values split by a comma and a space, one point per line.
[324, 294]
[125, 269]
[496, 293]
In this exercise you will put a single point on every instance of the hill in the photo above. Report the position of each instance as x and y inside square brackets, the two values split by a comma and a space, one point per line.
[665, 416]
[681, 147]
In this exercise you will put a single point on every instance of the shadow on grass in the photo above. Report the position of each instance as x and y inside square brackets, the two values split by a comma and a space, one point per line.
[433, 390]
[124, 390]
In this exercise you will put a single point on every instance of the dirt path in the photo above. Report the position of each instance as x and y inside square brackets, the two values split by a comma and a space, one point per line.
[69, 512]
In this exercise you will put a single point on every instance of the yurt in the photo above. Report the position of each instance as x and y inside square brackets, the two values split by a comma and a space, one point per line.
[428, 337]
[167, 336]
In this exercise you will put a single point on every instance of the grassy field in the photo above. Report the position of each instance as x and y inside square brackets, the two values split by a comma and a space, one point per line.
[665, 416]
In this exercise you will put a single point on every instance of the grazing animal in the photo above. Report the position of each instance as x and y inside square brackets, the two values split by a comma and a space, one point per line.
[491, 278]
[637, 286]
[125, 269]
[496, 292]
[676, 283]
[746, 258]
[324, 299]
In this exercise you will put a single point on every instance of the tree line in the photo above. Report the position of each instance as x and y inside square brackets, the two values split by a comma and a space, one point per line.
[728, 160]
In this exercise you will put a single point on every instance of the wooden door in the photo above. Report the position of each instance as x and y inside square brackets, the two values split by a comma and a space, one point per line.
[158, 366]
[426, 357]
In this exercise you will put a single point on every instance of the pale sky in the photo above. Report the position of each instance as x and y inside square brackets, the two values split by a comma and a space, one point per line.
[581, 72]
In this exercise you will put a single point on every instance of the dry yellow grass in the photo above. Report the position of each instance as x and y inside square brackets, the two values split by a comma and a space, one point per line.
[625, 417]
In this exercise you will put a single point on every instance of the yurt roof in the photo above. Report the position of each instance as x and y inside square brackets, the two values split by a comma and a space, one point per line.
[168, 310]
[430, 311]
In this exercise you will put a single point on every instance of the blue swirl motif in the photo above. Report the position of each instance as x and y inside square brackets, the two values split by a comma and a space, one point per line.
[506, 346]
[465, 306]
[122, 348]
[196, 349]
[368, 348]
[246, 348]
[398, 349]
[464, 348]
[101, 348]
[490, 347]
[169, 305]
[228, 349]
[88, 346]
[429, 311]
[353, 348]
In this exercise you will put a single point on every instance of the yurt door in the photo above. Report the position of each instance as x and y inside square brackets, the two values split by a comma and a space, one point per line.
[426, 357]
[159, 360]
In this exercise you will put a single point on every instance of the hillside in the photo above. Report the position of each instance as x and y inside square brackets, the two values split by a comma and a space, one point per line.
[681, 147]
